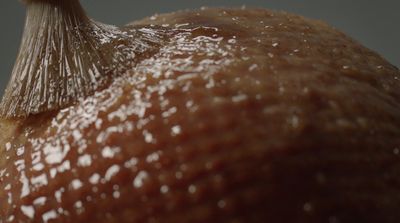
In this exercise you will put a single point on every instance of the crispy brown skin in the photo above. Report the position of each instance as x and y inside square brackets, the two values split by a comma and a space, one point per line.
[241, 116]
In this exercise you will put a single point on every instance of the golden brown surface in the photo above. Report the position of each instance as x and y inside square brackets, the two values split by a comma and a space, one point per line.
[241, 116]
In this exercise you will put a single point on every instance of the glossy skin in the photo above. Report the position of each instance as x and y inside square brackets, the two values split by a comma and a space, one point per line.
[241, 116]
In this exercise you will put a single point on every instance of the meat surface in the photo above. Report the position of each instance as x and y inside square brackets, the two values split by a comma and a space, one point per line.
[238, 116]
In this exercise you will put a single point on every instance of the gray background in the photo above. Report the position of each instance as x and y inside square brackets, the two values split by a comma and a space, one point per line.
[375, 23]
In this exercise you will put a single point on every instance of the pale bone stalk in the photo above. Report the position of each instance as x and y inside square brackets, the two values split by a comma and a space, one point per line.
[63, 56]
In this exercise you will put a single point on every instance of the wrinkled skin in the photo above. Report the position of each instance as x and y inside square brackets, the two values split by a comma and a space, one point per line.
[240, 116]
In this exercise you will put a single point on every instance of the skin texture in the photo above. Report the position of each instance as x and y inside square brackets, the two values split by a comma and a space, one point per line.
[240, 116]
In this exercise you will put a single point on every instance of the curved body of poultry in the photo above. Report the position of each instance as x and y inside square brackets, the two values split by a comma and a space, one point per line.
[227, 115]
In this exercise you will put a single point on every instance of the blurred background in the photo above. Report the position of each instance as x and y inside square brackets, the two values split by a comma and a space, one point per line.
[375, 23]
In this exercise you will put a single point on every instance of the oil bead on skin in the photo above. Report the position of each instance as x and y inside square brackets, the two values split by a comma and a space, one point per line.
[211, 115]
